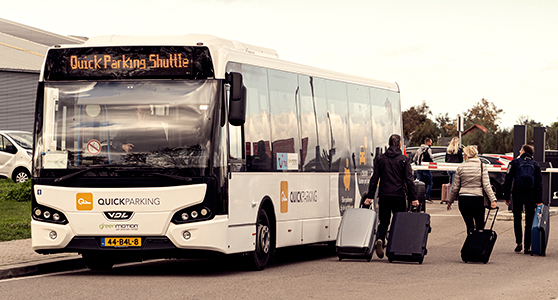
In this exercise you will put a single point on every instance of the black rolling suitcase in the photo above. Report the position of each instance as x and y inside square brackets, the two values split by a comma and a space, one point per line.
[408, 235]
[479, 243]
[420, 190]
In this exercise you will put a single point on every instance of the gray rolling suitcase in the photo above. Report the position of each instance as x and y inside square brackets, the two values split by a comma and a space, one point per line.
[357, 234]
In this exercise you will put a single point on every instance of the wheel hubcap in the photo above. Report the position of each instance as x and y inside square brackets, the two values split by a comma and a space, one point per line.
[263, 239]
[21, 177]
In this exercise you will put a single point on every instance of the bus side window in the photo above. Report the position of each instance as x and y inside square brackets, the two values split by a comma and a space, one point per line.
[236, 159]
[261, 161]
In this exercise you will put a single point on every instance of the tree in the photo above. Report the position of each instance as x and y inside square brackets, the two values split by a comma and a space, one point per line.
[483, 113]
[417, 126]
[447, 126]
[486, 114]
[551, 136]
[530, 126]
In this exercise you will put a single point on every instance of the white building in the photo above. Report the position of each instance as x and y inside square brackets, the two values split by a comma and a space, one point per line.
[22, 51]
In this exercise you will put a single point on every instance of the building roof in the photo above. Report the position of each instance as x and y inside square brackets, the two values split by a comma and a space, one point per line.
[473, 128]
[23, 47]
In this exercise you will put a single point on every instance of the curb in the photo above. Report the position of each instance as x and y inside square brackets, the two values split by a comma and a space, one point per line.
[42, 267]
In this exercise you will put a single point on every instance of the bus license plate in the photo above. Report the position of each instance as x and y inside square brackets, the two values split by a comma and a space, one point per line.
[121, 242]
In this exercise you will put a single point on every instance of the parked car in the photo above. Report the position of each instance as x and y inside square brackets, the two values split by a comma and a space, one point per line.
[16, 151]
[435, 149]
[504, 158]
[496, 178]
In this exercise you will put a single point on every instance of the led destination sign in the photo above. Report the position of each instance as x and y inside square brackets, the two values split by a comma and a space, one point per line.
[129, 62]
[105, 62]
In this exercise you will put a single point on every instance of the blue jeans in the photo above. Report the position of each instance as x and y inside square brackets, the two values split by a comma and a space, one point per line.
[452, 175]
[426, 177]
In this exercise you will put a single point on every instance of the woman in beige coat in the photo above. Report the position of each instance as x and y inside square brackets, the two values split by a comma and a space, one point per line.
[467, 186]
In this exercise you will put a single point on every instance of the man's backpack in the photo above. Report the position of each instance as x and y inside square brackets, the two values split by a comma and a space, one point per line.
[417, 159]
[525, 176]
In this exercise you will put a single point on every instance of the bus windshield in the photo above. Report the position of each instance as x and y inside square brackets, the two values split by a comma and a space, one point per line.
[147, 123]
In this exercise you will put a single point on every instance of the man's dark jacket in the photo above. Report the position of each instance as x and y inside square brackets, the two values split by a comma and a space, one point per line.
[534, 195]
[396, 175]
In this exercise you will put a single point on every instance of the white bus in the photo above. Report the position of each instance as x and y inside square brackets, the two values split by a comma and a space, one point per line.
[163, 147]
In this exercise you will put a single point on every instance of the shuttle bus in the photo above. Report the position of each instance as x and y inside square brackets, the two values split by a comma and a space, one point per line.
[165, 147]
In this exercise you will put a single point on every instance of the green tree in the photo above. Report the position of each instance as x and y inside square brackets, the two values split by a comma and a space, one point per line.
[447, 125]
[483, 113]
[417, 125]
[551, 136]
[530, 124]
[502, 141]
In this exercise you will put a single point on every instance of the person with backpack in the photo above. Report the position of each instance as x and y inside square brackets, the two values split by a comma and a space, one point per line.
[395, 176]
[424, 153]
[524, 186]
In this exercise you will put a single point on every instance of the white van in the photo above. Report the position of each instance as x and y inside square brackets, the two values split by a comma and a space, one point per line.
[16, 151]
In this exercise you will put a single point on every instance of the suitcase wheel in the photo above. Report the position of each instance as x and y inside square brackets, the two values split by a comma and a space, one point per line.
[390, 260]
[420, 261]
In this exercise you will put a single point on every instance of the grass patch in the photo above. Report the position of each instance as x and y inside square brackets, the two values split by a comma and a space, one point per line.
[15, 210]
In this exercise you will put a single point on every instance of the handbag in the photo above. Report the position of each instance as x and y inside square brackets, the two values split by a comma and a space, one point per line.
[486, 198]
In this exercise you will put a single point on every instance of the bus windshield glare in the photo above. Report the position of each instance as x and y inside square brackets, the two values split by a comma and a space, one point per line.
[148, 123]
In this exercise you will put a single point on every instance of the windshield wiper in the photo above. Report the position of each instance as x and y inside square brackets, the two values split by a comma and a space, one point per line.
[176, 177]
[120, 167]
[98, 167]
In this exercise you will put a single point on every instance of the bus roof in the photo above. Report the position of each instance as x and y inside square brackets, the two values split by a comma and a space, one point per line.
[224, 50]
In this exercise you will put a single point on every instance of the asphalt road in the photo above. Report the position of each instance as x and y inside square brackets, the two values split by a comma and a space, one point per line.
[313, 272]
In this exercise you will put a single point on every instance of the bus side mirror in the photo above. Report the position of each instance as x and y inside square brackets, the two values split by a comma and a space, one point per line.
[237, 99]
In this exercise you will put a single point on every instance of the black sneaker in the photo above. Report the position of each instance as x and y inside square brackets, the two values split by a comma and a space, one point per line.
[518, 248]
[527, 251]
[379, 249]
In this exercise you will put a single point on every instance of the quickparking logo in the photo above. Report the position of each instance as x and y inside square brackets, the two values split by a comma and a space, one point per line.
[84, 201]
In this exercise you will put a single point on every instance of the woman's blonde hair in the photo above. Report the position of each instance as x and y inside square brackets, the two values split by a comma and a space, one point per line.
[453, 146]
[470, 152]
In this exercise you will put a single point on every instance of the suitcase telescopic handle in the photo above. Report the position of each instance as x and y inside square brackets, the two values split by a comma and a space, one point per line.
[488, 215]
[362, 205]
[417, 208]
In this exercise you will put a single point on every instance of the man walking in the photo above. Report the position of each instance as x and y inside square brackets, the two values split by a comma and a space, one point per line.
[393, 170]
[524, 181]
[424, 153]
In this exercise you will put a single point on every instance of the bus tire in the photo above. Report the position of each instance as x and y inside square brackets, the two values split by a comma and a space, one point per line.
[262, 254]
[97, 262]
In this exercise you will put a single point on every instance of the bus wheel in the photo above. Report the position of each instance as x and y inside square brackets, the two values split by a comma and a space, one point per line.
[260, 257]
[97, 262]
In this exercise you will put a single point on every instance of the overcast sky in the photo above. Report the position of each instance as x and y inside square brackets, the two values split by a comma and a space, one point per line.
[449, 53]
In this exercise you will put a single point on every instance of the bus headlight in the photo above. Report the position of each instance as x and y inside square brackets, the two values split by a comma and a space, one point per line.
[47, 214]
[194, 213]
